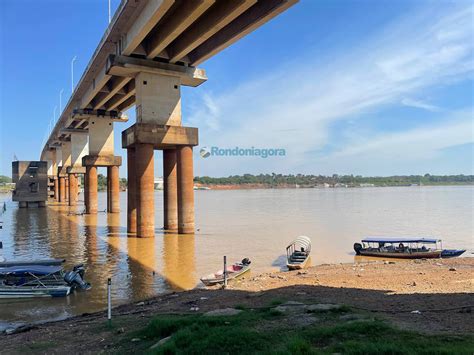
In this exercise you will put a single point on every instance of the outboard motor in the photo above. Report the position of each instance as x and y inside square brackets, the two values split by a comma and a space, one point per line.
[357, 248]
[246, 261]
[75, 279]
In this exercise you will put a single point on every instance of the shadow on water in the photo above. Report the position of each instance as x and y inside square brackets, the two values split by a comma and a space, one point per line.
[280, 262]
[106, 250]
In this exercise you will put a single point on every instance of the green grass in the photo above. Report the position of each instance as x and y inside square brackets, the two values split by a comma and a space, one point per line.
[267, 332]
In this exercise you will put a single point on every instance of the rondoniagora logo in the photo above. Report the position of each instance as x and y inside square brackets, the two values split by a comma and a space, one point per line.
[206, 152]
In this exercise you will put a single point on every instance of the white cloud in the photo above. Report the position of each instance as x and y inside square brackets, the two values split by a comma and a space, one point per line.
[420, 143]
[420, 104]
[295, 106]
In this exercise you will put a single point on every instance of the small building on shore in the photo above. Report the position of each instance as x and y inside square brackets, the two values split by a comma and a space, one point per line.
[31, 183]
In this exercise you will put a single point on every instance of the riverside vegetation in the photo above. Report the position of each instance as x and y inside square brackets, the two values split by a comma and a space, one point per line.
[275, 180]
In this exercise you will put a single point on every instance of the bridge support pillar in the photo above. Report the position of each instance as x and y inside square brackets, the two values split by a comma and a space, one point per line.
[145, 188]
[91, 162]
[91, 192]
[131, 192]
[185, 190]
[170, 190]
[56, 189]
[113, 189]
[176, 142]
[62, 188]
[66, 179]
[72, 190]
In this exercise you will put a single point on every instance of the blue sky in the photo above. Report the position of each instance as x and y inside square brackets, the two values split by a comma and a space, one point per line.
[347, 87]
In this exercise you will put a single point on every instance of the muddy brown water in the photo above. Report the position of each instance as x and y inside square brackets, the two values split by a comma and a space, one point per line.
[239, 223]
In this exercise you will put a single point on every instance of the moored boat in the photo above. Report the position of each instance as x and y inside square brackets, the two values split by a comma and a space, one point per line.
[24, 280]
[232, 271]
[297, 253]
[404, 248]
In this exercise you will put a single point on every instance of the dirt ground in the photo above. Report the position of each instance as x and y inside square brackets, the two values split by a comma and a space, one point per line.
[433, 296]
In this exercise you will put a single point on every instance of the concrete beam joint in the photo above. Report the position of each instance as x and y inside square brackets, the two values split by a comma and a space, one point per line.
[99, 160]
[160, 136]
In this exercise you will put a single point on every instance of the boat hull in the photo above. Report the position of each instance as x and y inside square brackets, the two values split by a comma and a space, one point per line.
[415, 255]
[297, 266]
[33, 292]
[451, 253]
[220, 279]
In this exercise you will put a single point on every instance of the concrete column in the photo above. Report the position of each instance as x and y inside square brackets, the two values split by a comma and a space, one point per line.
[108, 190]
[170, 190]
[113, 189]
[66, 179]
[23, 204]
[131, 192]
[62, 189]
[91, 181]
[56, 189]
[86, 192]
[185, 190]
[144, 167]
[72, 190]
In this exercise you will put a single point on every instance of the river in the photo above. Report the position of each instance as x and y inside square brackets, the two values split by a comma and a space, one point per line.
[257, 224]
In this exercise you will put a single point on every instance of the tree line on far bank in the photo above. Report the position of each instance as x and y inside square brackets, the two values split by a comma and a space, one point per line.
[311, 180]
[348, 180]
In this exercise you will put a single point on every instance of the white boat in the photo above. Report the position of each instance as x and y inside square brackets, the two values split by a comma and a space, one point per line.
[232, 271]
[297, 253]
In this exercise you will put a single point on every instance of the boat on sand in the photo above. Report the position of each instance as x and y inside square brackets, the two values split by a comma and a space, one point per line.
[232, 271]
[297, 253]
[404, 248]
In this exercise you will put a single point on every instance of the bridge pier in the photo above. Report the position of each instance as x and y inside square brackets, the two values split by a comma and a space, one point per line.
[91, 189]
[145, 188]
[185, 190]
[131, 191]
[92, 162]
[66, 188]
[56, 189]
[170, 190]
[62, 188]
[72, 189]
[113, 189]
[176, 142]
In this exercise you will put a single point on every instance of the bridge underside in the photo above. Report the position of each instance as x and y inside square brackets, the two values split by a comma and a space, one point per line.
[150, 50]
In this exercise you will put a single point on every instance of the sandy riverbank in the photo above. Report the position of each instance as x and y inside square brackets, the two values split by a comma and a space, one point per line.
[440, 291]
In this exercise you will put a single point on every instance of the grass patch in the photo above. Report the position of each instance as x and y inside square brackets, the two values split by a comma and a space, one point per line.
[246, 333]
[41, 345]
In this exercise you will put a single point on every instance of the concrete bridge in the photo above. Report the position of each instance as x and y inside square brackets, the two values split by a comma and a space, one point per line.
[150, 49]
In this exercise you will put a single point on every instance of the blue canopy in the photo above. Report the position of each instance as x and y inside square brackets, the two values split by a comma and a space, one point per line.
[30, 269]
[400, 240]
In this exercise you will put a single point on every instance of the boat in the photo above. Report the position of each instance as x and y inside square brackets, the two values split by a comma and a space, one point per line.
[50, 262]
[297, 253]
[233, 271]
[404, 248]
[24, 280]
[452, 253]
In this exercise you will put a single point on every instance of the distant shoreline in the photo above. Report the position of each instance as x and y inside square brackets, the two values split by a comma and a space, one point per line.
[288, 186]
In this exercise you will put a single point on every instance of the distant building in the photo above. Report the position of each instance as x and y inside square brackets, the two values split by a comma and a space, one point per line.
[158, 183]
[367, 185]
[31, 183]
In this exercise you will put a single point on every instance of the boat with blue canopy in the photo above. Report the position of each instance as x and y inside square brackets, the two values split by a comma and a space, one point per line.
[25, 280]
[404, 248]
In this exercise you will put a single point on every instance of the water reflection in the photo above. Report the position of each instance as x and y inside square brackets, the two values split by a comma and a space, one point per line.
[142, 264]
[257, 224]
[179, 261]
